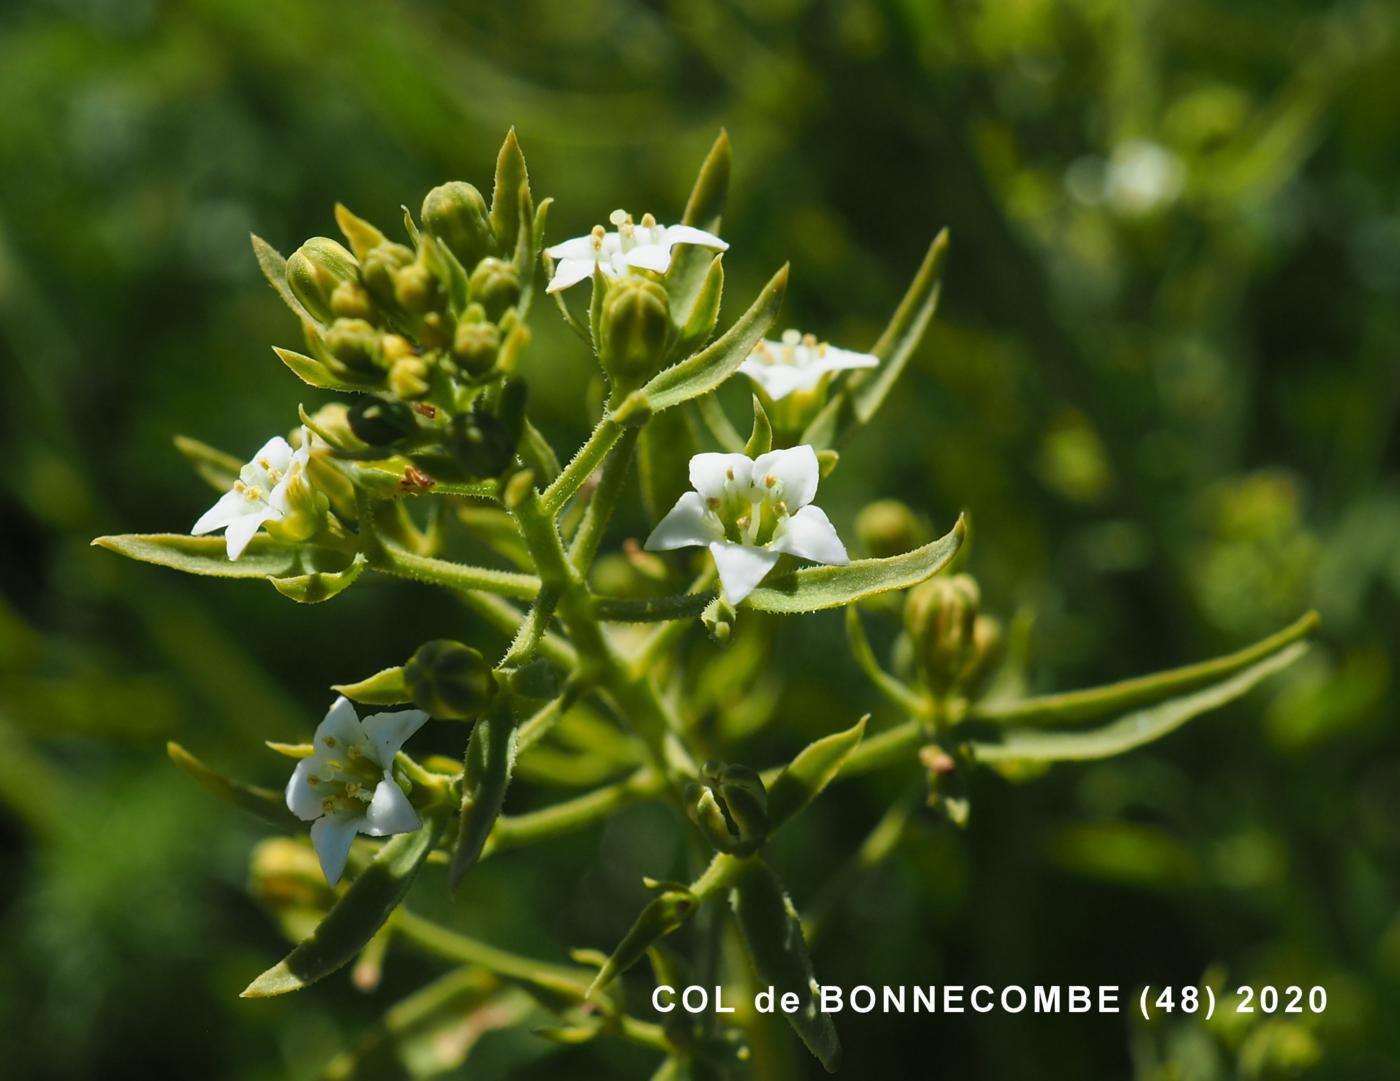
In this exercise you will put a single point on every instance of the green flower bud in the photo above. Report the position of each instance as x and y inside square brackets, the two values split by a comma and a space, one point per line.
[307, 508]
[730, 805]
[986, 651]
[416, 288]
[408, 378]
[456, 214]
[633, 331]
[449, 680]
[379, 423]
[350, 301]
[476, 346]
[495, 285]
[888, 527]
[287, 875]
[332, 421]
[356, 344]
[940, 616]
[379, 268]
[315, 270]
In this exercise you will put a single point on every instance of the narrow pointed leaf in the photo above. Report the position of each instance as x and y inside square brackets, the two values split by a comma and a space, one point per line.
[717, 423]
[690, 265]
[662, 915]
[274, 268]
[266, 803]
[1133, 729]
[215, 467]
[384, 688]
[490, 760]
[704, 371]
[313, 372]
[773, 934]
[1085, 705]
[761, 437]
[265, 557]
[815, 767]
[355, 917]
[505, 195]
[814, 588]
[697, 322]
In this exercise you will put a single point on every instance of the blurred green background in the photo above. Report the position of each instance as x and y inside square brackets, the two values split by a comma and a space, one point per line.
[1164, 380]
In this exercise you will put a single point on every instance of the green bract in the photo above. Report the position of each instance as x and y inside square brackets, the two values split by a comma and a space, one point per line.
[434, 455]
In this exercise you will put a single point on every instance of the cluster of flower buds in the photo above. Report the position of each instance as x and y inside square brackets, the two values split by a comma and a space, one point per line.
[430, 331]
[730, 805]
[955, 646]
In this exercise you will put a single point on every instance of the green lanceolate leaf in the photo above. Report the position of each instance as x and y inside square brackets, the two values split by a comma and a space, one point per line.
[486, 776]
[505, 195]
[815, 766]
[695, 324]
[320, 586]
[663, 915]
[691, 265]
[773, 933]
[1132, 729]
[1094, 702]
[274, 268]
[265, 557]
[863, 394]
[704, 371]
[712, 415]
[355, 917]
[761, 437]
[216, 468]
[384, 688]
[265, 803]
[314, 372]
[814, 588]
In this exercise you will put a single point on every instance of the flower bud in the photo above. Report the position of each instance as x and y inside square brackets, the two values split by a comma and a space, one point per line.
[350, 301]
[416, 288]
[408, 378]
[940, 616]
[494, 285]
[287, 875]
[985, 653]
[456, 214]
[449, 680]
[633, 332]
[355, 344]
[315, 270]
[730, 805]
[379, 423]
[475, 346]
[888, 527]
[379, 268]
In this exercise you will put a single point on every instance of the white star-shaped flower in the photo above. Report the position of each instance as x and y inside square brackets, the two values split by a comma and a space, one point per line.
[646, 246]
[258, 495]
[347, 785]
[799, 362]
[748, 512]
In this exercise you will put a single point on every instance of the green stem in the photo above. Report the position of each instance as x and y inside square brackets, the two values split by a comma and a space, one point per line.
[886, 748]
[654, 609]
[507, 618]
[513, 831]
[663, 638]
[604, 501]
[581, 466]
[453, 946]
[450, 575]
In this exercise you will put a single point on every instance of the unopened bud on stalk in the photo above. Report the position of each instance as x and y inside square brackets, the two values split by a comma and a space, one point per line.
[730, 805]
[475, 346]
[449, 680]
[379, 423]
[633, 332]
[940, 616]
[315, 270]
[416, 288]
[456, 214]
[379, 268]
[356, 344]
[888, 527]
[408, 378]
[494, 285]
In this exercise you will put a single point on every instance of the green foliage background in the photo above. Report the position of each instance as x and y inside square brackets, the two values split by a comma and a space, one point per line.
[1174, 428]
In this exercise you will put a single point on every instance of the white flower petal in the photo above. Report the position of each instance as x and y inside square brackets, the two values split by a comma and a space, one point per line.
[832, 359]
[331, 836]
[387, 732]
[794, 471]
[780, 380]
[303, 798]
[686, 524]
[276, 452]
[570, 272]
[711, 473]
[579, 247]
[688, 234]
[389, 811]
[655, 257]
[740, 567]
[339, 729]
[231, 506]
[240, 531]
[810, 534]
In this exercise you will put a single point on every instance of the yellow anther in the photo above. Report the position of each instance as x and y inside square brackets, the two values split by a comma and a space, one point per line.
[329, 741]
[648, 222]
[328, 805]
[769, 480]
[729, 472]
[809, 340]
[311, 778]
[239, 486]
[620, 218]
[712, 503]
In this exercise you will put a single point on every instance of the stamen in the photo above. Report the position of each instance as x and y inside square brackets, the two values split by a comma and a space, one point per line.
[792, 337]
[769, 480]
[598, 234]
[328, 805]
[620, 218]
[329, 741]
[239, 487]
[648, 222]
[729, 472]
[311, 778]
[809, 340]
[712, 503]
